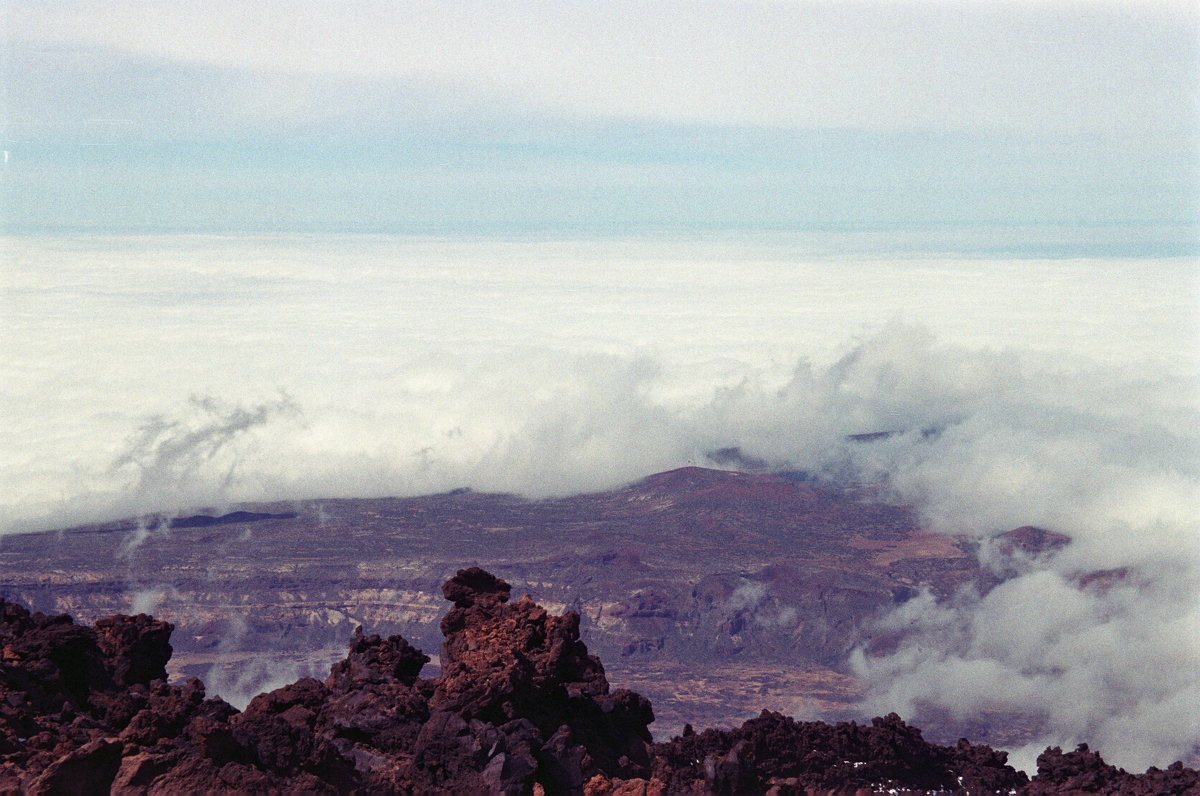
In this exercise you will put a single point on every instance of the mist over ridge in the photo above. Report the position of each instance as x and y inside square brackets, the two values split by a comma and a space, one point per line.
[169, 373]
[196, 371]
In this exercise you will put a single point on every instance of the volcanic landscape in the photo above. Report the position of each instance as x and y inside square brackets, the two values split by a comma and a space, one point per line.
[714, 593]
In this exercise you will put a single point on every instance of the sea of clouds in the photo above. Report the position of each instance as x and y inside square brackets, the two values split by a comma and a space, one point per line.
[142, 374]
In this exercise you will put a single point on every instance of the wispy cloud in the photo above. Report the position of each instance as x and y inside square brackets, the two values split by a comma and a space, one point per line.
[1079, 67]
[542, 118]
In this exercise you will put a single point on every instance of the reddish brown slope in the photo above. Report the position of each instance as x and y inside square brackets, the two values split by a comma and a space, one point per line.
[520, 707]
[693, 584]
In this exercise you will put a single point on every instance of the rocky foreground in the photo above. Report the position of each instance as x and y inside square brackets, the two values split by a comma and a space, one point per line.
[519, 707]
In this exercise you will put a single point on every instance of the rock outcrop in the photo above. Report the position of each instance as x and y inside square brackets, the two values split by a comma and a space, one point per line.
[519, 707]
[1084, 771]
[803, 757]
[520, 702]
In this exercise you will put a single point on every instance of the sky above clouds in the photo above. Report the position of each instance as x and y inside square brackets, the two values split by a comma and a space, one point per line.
[531, 117]
[1032, 67]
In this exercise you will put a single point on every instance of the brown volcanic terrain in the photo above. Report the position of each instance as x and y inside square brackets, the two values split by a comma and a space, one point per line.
[520, 707]
[714, 593]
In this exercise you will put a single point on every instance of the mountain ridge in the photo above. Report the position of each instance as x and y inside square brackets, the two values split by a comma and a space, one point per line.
[714, 592]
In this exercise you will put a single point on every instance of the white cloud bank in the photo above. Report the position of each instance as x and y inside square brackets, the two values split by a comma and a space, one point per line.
[201, 370]
[171, 373]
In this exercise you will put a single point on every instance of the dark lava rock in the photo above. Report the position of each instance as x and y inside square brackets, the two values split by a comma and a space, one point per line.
[1031, 541]
[520, 707]
[471, 586]
[1084, 771]
[206, 520]
[520, 701]
[135, 648]
[776, 750]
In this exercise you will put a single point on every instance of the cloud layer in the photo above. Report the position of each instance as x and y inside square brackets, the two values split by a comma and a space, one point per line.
[205, 365]
[172, 373]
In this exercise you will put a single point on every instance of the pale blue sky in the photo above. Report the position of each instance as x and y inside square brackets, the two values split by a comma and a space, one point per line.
[604, 118]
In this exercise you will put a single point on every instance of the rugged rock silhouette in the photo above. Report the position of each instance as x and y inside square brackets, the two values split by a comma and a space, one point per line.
[519, 707]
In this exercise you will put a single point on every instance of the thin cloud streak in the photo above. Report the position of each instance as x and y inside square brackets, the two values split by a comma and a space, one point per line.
[1056, 67]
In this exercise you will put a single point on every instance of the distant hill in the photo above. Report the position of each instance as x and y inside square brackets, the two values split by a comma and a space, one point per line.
[716, 593]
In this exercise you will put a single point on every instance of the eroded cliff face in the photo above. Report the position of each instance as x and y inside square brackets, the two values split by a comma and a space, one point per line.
[685, 582]
[520, 706]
